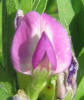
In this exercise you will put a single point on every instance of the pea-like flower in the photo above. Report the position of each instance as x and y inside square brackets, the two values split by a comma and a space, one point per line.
[40, 41]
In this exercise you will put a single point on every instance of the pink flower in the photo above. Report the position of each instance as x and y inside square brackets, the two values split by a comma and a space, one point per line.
[40, 41]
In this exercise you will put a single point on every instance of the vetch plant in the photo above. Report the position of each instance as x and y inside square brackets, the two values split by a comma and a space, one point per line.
[41, 43]
[40, 50]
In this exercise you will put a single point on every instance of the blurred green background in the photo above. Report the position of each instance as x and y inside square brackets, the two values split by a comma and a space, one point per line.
[70, 13]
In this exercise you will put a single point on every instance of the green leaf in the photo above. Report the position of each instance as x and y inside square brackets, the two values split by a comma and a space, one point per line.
[71, 16]
[66, 12]
[80, 79]
[35, 4]
[39, 5]
[25, 5]
[68, 95]
[51, 7]
[80, 90]
[82, 2]
[6, 89]
[77, 30]
[56, 16]
[76, 5]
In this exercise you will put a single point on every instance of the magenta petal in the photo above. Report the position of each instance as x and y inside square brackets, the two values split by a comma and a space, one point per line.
[44, 46]
[24, 42]
[60, 41]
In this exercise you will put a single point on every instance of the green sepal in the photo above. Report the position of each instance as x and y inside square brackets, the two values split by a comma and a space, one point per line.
[49, 91]
[36, 83]
[33, 84]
